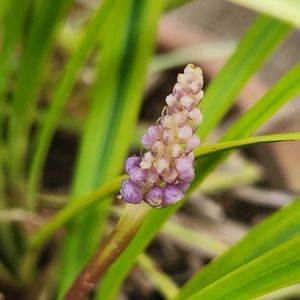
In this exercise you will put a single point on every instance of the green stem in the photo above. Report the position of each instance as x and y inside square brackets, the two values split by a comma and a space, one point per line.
[127, 227]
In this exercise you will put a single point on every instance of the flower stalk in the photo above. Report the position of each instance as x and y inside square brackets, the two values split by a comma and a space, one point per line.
[130, 222]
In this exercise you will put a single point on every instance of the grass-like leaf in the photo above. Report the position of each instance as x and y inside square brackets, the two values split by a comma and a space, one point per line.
[284, 90]
[61, 95]
[243, 143]
[274, 270]
[266, 34]
[37, 49]
[251, 52]
[75, 208]
[285, 10]
[274, 231]
[281, 93]
[125, 55]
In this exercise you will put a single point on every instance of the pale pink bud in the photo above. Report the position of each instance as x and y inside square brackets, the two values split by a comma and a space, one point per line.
[176, 150]
[180, 118]
[169, 177]
[168, 136]
[187, 102]
[167, 121]
[185, 132]
[158, 148]
[161, 165]
[171, 100]
[195, 115]
[147, 160]
[192, 143]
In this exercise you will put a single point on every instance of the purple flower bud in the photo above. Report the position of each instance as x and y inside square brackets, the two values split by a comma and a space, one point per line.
[137, 174]
[182, 186]
[188, 102]
[192, 143]
[163, 173]
[131, 192]
[187, 176]
[196, 116]
[154, 197]
[184, 164]
[185, 132]
[151, 136]
[172, 195]
[133, 161]
[152, 175]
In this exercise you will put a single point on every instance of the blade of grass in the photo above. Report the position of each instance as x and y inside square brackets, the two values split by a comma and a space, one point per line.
[280, 94]
[238, 144]
[283, 91]
[74, 208]
[251, 52]
[285, 10]
[172, 59]
[222, 92]
[126, 53]
[276, 269]
[258, 241]
[14, 14]
[162, 281]
[36, 52]
[62, 94]
[194, 238]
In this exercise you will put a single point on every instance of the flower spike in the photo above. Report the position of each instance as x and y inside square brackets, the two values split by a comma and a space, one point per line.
[162, 174]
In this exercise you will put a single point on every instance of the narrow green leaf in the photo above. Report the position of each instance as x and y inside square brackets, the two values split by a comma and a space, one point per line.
[179, 57]
[172, 4]
[243, 143]
[253, 50]
[62, 94]
[283, 91]
[274, 270]
[274, 231]
[256, 46]
[280, 94]
[161, 280]
[37, 49]
[125, 56]
[285, 10]
[12, 17]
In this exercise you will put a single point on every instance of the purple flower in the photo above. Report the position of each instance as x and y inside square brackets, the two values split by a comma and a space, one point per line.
[132, 161]
[187, 176]
[151, 136]
[155, 197]
[172, 195]
[136, 174]
[162, 174]
[131, 192]
[184, 164]
[193, 143]
[183, 185]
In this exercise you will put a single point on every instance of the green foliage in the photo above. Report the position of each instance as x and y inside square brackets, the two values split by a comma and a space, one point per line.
[273, 232]
[276, 269]
[114, 109]
[118, 40]
[285, 10]
[221, 93]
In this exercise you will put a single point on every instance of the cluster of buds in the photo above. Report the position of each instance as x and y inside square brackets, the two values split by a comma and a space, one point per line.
[162, 174]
